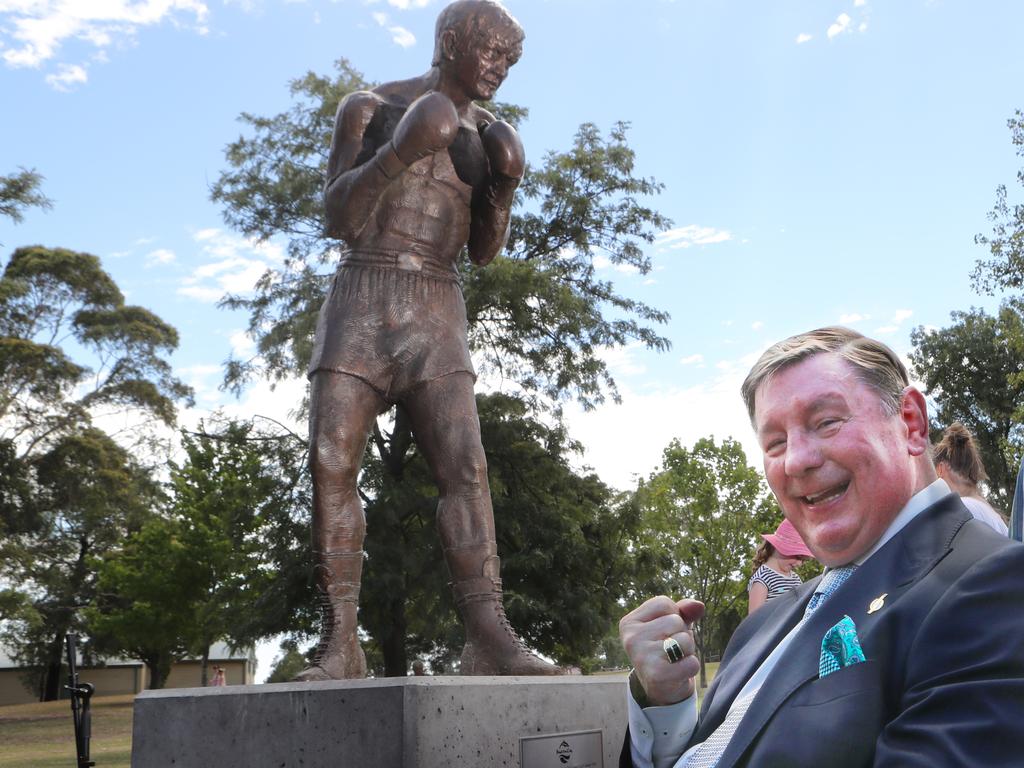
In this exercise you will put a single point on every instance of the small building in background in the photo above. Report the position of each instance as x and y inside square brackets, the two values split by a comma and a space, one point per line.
[127, 676]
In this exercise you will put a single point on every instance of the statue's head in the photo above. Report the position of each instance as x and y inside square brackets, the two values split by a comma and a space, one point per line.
[476, 42]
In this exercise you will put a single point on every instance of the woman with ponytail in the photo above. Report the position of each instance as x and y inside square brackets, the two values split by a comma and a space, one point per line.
[958, 462]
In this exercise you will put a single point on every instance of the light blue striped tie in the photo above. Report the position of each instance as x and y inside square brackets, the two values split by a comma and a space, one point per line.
[829, 583]
[710, 752]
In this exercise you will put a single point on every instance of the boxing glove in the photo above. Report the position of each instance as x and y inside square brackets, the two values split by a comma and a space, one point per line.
[504, 150]
[429, 125]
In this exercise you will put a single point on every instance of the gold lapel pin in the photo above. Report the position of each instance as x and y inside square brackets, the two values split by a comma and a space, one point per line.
[878, 603]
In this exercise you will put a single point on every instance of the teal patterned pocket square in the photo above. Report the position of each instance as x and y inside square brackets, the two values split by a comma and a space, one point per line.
[839, 648]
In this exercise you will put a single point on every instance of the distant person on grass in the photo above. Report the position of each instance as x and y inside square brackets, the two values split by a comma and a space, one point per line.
[773, 565]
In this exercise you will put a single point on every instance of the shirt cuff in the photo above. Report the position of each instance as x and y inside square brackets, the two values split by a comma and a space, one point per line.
[658, 735]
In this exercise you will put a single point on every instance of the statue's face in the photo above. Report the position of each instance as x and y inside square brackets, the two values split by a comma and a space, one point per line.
[481, 66]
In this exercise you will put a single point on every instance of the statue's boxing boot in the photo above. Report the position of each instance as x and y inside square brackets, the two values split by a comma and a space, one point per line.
[492, 646]
[338, 656]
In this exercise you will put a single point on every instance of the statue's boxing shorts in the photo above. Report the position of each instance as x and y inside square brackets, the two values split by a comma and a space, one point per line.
[395, 321]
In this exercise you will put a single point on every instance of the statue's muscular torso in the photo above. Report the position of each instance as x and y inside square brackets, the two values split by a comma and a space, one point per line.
[425, 211]
[394, 317]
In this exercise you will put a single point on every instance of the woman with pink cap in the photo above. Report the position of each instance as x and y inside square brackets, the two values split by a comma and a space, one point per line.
[773, 565]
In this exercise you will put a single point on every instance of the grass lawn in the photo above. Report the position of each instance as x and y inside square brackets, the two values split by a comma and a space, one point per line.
[43, 735]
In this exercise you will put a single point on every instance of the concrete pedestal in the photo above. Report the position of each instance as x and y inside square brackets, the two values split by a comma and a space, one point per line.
[411, 722]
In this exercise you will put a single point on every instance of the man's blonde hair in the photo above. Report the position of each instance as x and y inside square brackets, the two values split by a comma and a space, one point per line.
[872, 361]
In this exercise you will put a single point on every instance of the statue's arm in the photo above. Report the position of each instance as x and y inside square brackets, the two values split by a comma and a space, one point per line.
[492, 201]
[429, 125]
[351, 190]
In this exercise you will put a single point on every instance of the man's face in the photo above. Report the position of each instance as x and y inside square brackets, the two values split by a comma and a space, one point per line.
[840, 465]
[482, 66]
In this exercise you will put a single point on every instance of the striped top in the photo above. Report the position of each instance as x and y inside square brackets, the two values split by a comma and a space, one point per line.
[777, 583]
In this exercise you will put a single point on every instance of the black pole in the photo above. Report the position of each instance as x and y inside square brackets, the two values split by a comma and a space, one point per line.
[80, 714]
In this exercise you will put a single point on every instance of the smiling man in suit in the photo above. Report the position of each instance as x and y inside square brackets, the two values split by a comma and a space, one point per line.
[907, 652]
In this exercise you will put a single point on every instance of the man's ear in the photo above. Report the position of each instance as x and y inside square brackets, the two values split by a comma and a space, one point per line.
[449, 44]
[914, 413]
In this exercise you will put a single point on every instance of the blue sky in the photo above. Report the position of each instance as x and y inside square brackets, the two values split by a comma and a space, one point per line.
[824, 161]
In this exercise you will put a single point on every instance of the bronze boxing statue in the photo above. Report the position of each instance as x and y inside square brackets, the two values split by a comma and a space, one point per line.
[416, 171]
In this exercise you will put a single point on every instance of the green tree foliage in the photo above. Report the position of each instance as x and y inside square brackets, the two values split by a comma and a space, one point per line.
[974, 371]
[703, 511]
[235, 565]
[55, 303]
[70, 348]
[139, 609]
[87, 494]
[1004, 271]
[243, 497]
[19, 191]
[288, 663]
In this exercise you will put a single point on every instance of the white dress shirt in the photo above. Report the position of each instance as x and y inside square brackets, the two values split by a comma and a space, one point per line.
[658, 735]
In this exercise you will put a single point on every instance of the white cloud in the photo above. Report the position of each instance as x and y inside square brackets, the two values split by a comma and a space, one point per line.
[402, 37]
[691, 234]
[653, 418]
[404, 5]
[621, 361]
[859, 3]
[235, 265]
[695, 359]
[840, 25]
[850, 319]
[66, 76]
[242, 345]
[160, 256]
[277, 403]
[399, 35]
[886, 330]
[757, 325]
[803, 37]
[204, 380]
[33, 31]
[901, 315]
[603, 262]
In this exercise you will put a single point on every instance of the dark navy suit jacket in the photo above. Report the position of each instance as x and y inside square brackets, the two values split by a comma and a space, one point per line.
[943, 680]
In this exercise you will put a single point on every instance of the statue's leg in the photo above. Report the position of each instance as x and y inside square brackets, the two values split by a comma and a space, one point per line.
[447, 429]
[342, 410]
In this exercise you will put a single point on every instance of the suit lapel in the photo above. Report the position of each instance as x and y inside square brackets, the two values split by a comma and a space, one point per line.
[891, 571]
[786, 612]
